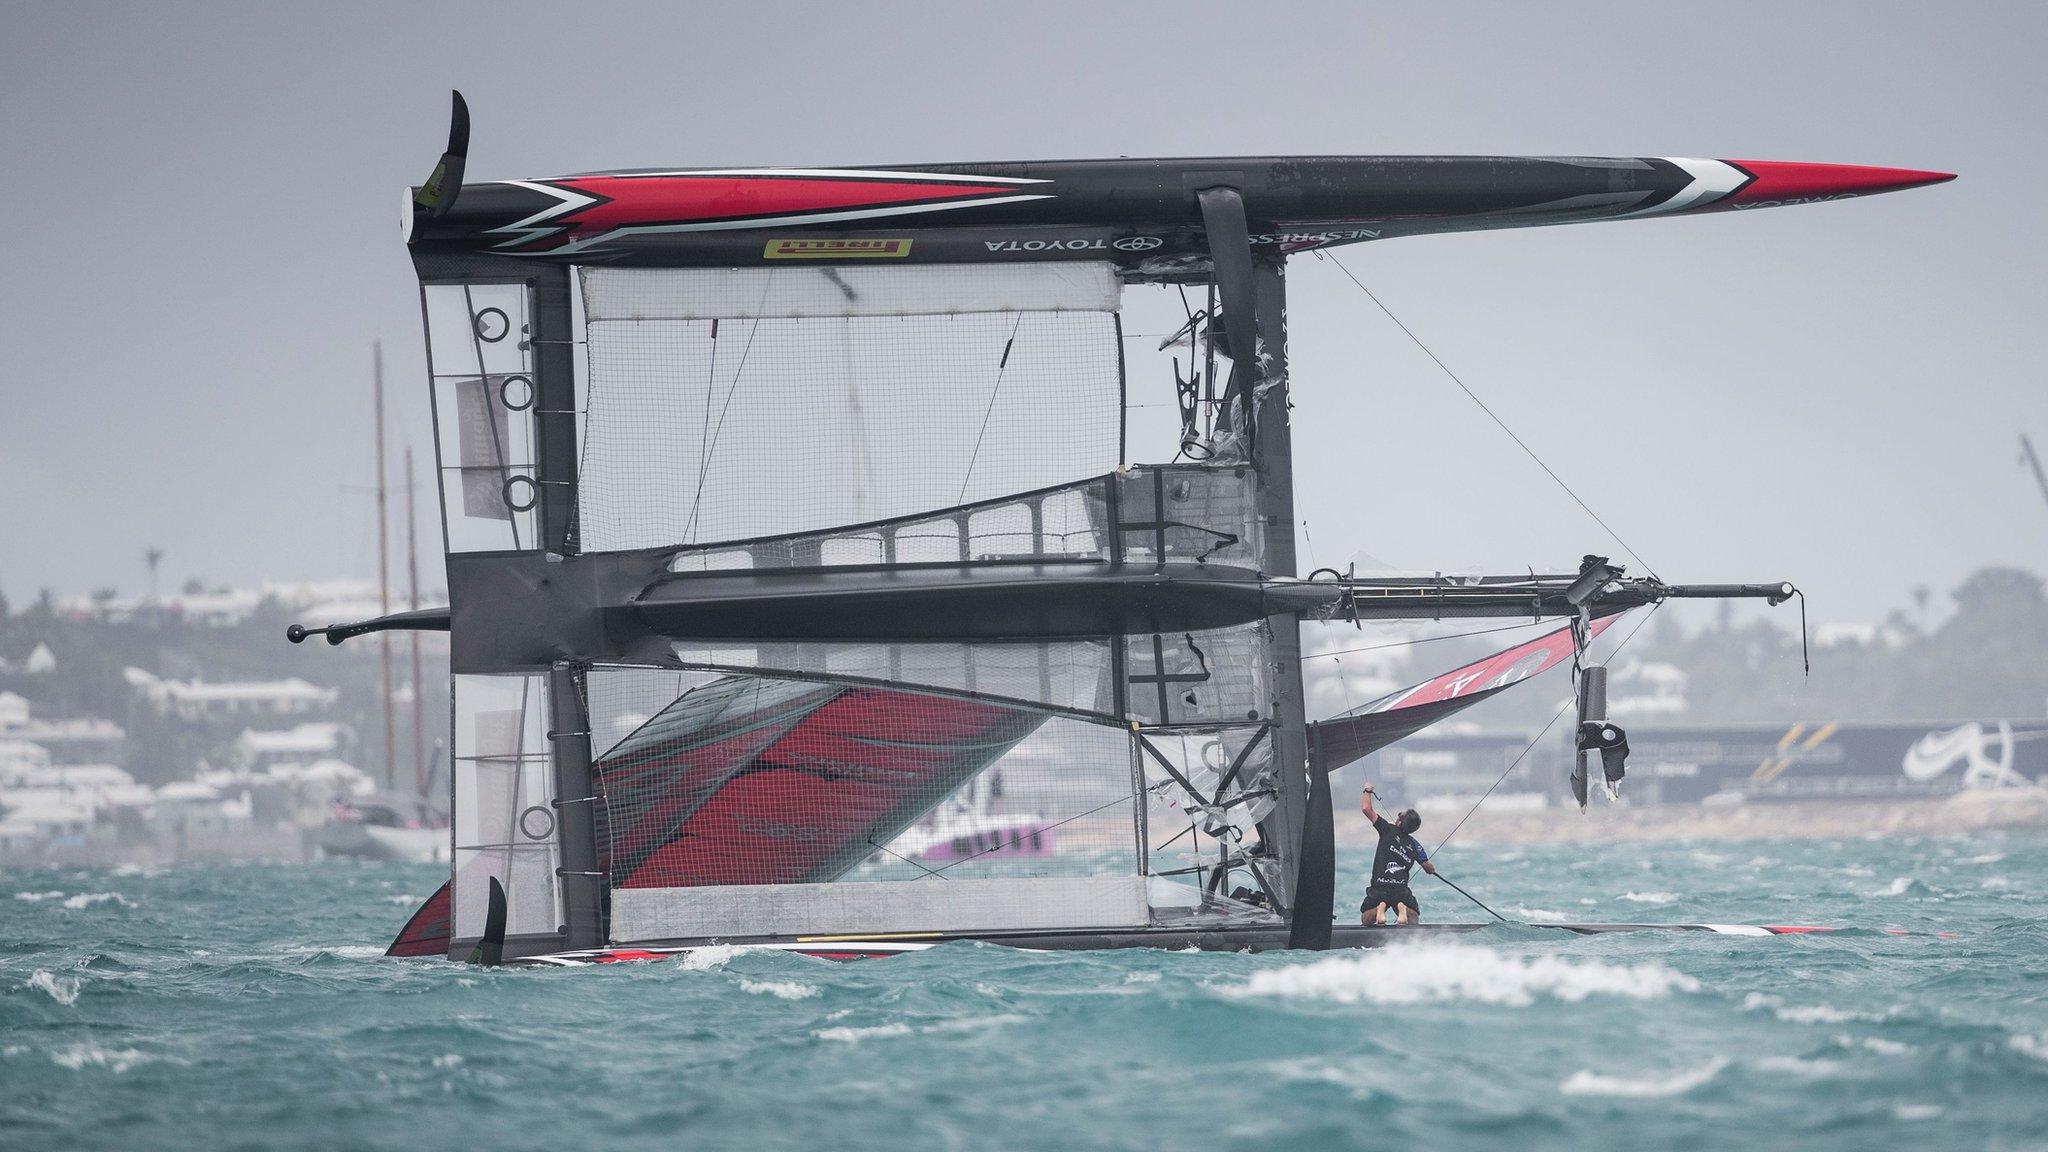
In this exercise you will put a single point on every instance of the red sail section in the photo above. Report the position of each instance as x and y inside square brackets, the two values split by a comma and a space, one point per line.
[755, 781]
[1363, 731]
[427, 932]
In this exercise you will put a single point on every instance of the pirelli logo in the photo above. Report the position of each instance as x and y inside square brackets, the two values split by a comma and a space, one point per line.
[836, 249]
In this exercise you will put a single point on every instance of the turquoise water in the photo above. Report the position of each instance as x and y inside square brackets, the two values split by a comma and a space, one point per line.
[247, 1008]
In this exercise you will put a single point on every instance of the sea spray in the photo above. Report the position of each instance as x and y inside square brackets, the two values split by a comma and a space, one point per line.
[1437, 973]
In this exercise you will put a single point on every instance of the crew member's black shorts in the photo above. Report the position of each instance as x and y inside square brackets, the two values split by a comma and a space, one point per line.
[1392, 895]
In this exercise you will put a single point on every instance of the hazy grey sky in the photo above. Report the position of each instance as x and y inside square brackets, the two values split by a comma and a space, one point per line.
[202, 240]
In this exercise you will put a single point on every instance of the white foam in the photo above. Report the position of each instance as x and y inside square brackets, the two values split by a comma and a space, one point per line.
[974, 1023]
[1437, 973]
[1649, 897]
[93, 1056]
[1802, 1067]
[1141, 977]
[351, 951]
[1805, 1013]
[848, 1035]
[88, 899]
[1875, 1044]
[1536, 913]
[708, 957]
[1995, 883]
[1917, 1111]
[780, 989]
[38, 897]
[403, 900]
[62, 989]
[2035, 1046]
[1987, 858]
[856, 1035]
[1586, 1082]
[451, 1060]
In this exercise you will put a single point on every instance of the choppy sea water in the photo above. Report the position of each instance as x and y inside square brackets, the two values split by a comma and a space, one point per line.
[247, 1007]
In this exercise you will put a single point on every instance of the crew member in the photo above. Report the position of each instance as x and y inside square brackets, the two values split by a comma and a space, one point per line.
[1398, 852]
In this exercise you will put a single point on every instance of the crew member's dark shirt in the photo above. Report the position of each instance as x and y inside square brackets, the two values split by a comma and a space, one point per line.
[1398, 852]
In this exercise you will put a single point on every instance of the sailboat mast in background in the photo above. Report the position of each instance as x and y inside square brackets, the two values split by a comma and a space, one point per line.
[384, 567]
[412, 578]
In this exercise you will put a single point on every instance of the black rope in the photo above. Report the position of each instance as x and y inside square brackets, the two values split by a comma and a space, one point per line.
[1472, 898]
[717, 430]
[1429, 639]
[1001, 367]
[1489, 412]
[905, 859]
[1047, 828]
[1569, 701]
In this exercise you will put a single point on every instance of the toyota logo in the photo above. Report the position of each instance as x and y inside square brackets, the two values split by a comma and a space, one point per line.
[1137, 243]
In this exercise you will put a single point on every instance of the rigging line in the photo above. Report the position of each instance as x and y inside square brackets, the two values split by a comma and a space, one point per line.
[905, 859]
[1471, 897]
[718, 429]
[1175, 838]
[1430, 639]
[1489, 412]
[1001, 368]
[704, 427]
[1554, 717]
[1020, 839]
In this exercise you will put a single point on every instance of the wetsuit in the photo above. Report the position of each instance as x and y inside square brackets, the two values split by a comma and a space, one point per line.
[1398, 853]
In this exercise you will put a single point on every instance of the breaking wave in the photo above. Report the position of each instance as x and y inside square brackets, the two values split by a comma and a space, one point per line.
[1444, 973]
[708, 957]
[780, 989]
[845, 1035]
[88, 899]
[83, 1056]
[62, 989]
[854, 1035]
[2035, 1046]
[1586, 1082]
[1805, 1013]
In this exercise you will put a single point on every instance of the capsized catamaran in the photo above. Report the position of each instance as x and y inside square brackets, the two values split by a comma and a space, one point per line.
[782, 505]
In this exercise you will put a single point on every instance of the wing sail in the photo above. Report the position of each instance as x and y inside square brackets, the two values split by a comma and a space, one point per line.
[1356, 734]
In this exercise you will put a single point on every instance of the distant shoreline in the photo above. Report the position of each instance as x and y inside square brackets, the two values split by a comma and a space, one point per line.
[1962, 813]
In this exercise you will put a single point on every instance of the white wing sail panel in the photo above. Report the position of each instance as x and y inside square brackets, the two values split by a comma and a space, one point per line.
[736, 403]
[485, 394]
[504, 804]
[837, 290]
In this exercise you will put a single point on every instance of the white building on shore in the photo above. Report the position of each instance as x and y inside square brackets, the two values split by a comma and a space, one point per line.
[203, 700]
